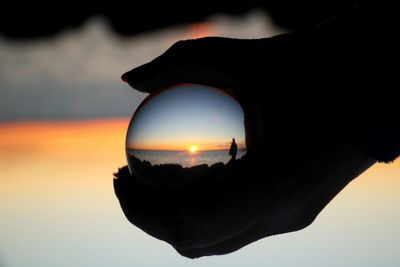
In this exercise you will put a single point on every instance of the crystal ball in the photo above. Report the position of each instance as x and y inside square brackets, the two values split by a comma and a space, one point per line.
[185, 134]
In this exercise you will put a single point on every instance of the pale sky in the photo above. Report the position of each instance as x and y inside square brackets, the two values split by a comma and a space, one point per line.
[185, 116]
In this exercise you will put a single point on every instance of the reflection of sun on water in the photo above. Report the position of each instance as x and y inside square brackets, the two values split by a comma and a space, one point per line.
[193, 149]
[193, 161]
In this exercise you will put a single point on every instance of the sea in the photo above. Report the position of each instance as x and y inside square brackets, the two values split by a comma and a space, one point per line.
[184, 158]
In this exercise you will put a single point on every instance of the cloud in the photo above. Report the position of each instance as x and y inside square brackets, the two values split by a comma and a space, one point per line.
[77, 73]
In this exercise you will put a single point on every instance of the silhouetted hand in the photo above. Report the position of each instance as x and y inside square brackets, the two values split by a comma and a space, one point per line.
[300, 140]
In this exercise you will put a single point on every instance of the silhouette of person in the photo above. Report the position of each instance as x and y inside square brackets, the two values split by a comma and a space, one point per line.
[323, 123]
[233, 149]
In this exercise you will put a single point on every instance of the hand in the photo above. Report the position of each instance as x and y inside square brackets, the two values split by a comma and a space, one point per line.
[300, 155]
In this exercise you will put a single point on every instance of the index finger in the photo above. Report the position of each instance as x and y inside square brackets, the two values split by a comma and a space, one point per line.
[211, 61]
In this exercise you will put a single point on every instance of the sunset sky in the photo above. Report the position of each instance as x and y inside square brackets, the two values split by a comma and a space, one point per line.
[64, 114]
[185, 117]
[58, 208]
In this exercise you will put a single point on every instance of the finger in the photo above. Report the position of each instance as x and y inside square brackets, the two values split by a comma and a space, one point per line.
[209, 61]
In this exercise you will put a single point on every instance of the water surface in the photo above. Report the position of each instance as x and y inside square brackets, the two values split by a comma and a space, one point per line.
[184, 158]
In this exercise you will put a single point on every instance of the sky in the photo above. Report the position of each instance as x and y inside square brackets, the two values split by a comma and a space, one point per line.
[76, 74]
[64, 114]
[187, 117]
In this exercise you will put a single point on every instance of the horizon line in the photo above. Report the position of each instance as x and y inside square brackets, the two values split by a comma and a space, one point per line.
[181, 150]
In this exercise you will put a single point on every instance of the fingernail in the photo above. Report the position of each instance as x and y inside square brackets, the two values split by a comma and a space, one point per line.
[124, 77]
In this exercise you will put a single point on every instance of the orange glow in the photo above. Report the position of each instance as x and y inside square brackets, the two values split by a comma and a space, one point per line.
[183, 145]
[178, 145]
[65, 156]
[64, 140]
[199, 30]
[193, 148]
[58, 175]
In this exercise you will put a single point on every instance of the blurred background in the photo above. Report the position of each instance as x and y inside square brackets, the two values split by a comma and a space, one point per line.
[64, 113]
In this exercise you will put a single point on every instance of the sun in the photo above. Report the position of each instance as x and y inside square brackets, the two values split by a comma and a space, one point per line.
[193, 148]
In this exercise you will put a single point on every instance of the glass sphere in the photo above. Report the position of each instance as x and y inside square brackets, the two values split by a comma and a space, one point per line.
[184, 134]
